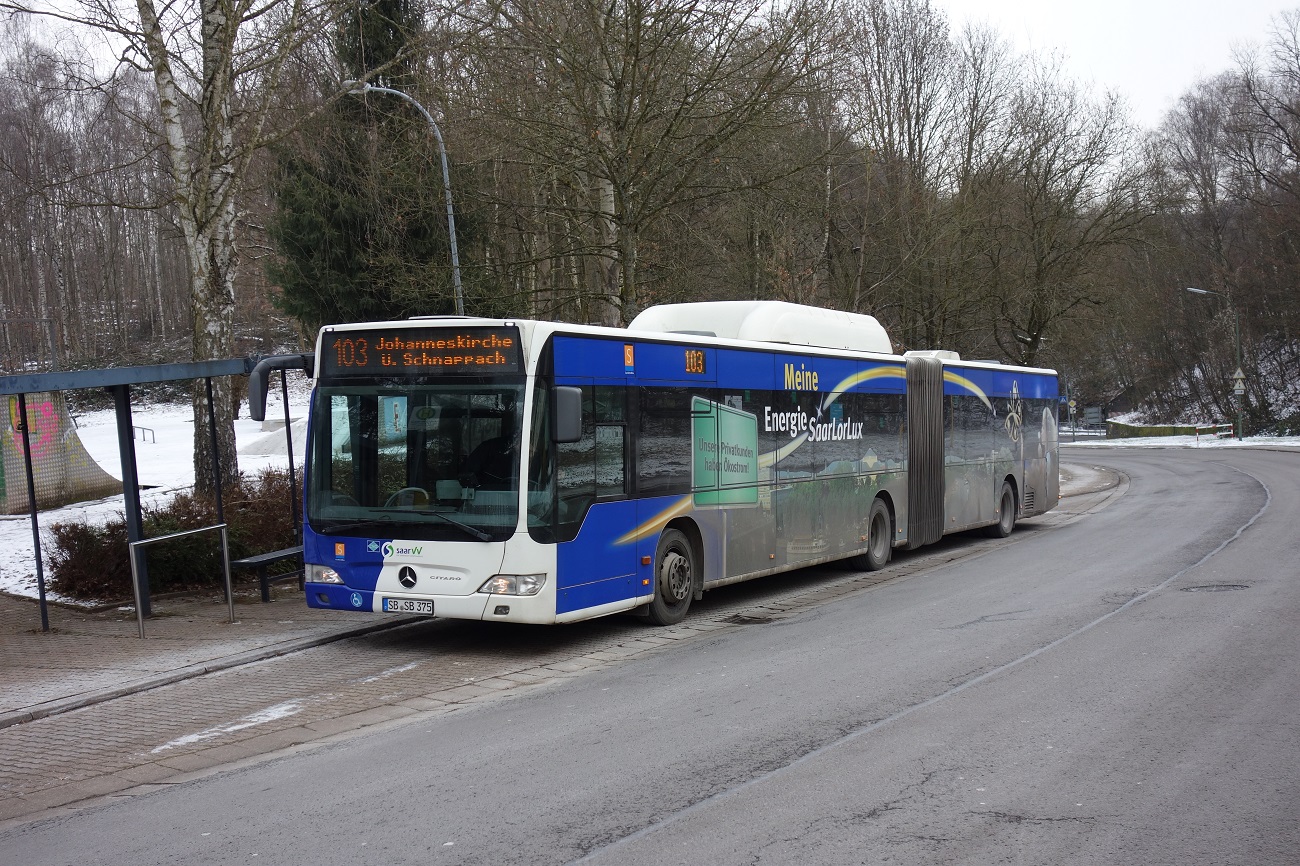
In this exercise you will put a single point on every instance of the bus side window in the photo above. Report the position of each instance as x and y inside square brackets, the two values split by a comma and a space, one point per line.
[610, 406]
[595, 465]
[541, 468]
[664, 442]
[541, 460]
[576, 473]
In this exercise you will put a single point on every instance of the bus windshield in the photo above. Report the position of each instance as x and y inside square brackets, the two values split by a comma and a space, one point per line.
[422, 461]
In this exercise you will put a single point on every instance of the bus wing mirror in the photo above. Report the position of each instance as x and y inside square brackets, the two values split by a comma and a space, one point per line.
[258, 384]
[567, 403]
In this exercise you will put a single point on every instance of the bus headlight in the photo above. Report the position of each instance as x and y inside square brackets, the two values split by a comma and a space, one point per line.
[514, 584]
[321, 574]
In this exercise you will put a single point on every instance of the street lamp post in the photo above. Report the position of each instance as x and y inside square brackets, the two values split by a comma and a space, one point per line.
[362, 87]
[1239, 377]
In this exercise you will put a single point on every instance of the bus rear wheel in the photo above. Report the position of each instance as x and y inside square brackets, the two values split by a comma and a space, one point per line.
[880, 539]
[1006, 513]
[675, 569]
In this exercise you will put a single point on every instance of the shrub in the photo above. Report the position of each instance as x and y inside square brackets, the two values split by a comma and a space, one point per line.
[1289, 426]
[91, 561]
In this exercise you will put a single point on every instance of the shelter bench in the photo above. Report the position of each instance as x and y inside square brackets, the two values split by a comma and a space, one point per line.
[262, 562]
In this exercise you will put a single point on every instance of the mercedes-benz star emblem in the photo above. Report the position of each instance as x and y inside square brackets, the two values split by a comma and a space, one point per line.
[407, 576]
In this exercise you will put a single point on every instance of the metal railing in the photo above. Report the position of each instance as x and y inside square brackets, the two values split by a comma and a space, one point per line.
[1217, 431]
[134, 546]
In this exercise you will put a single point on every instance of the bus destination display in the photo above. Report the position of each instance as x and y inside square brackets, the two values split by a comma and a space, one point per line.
[396, 351]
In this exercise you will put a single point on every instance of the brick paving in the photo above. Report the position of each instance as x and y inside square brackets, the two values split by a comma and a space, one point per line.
[87, 656]
[91, 710]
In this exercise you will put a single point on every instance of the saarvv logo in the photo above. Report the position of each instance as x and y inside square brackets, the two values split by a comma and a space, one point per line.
[389, 549]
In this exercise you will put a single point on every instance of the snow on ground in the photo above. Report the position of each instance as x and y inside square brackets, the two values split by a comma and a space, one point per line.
[1284, 442]
[164, 451]
[165, 463]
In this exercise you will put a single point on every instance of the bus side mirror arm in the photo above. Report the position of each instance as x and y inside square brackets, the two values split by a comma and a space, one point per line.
[258, 379]
[566, 401]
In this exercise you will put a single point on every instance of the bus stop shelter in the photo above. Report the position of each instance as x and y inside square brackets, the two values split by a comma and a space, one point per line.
[23, 418]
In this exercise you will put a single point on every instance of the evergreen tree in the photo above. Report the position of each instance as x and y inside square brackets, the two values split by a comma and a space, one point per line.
[360, 224]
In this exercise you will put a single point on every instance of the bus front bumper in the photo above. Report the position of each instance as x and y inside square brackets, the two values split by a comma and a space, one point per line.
[537, 609]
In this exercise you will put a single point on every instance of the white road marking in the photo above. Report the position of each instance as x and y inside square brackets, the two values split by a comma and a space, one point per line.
[261, 717]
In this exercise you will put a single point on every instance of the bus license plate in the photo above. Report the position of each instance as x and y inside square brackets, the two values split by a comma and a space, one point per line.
[408, 605]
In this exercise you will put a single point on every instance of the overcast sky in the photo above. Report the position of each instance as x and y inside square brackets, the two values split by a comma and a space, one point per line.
[1150, 50]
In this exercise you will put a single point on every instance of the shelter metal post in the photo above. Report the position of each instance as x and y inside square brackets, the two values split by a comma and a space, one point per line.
[131, 493]
[31, 504]
[288, 435]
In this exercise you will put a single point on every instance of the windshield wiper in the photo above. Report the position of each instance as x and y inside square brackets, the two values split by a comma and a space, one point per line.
[387, 523]
[383, 523]
[471, 531]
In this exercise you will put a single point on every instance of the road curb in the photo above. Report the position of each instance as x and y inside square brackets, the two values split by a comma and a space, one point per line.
[1088, 479]
[64, 705]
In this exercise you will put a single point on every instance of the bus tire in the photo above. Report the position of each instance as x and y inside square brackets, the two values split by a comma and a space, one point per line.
[880, 539]
[675, 570]
[1006, 513]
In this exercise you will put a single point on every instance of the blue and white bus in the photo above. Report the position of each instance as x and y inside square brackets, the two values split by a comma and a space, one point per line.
[539, 472]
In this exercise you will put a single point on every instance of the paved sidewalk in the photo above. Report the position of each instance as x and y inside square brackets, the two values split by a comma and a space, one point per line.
[87, 658]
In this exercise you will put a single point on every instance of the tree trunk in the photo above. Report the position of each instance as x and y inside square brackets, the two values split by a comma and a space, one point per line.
[204, 176]
[629, 239]
[606, 307]
[213, 304]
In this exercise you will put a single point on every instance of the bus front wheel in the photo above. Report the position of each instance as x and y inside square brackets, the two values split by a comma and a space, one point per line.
[675, 568]
[880, 540]
[1006, 513]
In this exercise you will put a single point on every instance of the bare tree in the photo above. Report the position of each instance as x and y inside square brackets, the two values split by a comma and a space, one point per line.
[621, 106]
[903, 104]
[213, 65]
[1076, 188]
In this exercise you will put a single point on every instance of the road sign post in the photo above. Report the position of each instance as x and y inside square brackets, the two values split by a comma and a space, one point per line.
[1239, 389]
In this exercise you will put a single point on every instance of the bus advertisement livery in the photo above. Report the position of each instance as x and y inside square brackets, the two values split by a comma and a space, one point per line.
[541, 472]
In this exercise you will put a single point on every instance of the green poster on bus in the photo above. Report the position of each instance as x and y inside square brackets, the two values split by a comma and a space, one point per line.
[724, 454]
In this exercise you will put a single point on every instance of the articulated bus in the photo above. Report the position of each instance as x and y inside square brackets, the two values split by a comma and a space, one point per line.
[539, 472]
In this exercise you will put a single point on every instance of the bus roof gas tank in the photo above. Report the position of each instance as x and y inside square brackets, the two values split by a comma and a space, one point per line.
[941, 354]
[767, 322]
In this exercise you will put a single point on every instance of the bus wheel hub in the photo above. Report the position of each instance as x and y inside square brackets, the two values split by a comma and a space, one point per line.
[675, 576]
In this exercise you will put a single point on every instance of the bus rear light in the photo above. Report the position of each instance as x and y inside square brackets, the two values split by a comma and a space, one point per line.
[514, 584]
[321, 574]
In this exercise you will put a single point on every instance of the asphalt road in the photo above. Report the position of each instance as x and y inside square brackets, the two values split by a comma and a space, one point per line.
[1066, 698]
